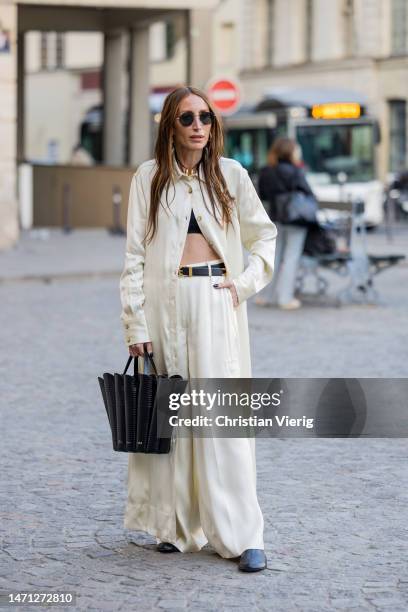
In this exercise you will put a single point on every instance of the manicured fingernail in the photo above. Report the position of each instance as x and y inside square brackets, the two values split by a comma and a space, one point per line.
[215, 285]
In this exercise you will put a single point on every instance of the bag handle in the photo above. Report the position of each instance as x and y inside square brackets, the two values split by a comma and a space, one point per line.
[147, 357]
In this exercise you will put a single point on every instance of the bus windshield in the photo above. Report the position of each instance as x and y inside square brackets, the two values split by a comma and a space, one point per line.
[330, 149]
[248, 146]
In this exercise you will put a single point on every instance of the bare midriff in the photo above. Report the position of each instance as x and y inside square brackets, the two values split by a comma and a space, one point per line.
[197, 249]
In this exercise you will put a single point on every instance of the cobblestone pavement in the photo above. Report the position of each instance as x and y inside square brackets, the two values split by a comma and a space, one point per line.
[335, 510]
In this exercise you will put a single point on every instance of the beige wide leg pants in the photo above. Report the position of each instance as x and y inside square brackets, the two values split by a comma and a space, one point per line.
[215, 478]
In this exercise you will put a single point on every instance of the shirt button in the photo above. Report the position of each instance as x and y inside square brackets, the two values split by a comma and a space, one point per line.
[190, 190]
[199, 218]
[127, 326]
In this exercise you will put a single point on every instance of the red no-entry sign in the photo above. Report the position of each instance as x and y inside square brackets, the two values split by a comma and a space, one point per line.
[225, 95]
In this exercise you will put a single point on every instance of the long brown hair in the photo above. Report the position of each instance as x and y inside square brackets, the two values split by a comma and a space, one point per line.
[214, 180]
[282, 149]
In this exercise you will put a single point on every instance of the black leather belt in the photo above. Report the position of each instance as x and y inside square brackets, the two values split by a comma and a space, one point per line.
[216, 270]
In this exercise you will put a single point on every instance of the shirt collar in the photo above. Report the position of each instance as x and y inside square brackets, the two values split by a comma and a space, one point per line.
[179, 174]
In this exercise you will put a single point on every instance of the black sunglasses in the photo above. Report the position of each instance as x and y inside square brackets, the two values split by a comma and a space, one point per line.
[186, 119]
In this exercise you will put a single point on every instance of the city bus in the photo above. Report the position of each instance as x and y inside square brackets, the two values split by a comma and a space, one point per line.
[337, 137]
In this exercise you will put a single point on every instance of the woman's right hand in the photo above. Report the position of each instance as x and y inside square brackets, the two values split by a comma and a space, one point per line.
[137, 350]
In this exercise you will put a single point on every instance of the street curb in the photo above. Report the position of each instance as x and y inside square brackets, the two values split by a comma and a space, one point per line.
[49, 278]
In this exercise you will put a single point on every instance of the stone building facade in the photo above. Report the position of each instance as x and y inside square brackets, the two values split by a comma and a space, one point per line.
[119, 21]
[359, 45]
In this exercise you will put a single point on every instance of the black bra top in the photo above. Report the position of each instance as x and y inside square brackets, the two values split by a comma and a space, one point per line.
[193, 227]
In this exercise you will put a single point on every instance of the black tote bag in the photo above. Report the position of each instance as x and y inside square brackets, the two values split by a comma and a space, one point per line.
[137, 407]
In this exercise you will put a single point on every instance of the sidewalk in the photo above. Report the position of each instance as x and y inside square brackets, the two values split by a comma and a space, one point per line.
[335, 510]
[379, 242]
[48, 253]
[51, 253]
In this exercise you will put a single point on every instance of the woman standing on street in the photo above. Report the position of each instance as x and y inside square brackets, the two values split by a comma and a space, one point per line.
[281, 176]
[184, 290]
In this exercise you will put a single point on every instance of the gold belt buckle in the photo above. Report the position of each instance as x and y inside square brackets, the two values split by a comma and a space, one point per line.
[181, 273]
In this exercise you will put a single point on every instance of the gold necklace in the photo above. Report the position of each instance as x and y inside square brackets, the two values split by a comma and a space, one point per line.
[188, 171]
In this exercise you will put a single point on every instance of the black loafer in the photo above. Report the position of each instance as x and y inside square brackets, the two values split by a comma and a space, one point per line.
[166, 547]
[252, 560]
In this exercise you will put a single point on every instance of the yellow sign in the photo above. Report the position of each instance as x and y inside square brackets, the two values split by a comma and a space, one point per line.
[336, 110]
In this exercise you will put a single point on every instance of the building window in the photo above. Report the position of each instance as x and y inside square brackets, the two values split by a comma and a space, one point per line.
[170, 39]
[398, 135]
[270, 31]
[162, 41]
[348, 17]
[399, 19]
[52, 50]
[60, 50]
[226, 52]
[43, 51]
[309, 30]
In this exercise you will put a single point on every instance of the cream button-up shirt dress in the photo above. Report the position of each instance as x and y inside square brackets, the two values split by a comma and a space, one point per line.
[151, 303]
[149, 279]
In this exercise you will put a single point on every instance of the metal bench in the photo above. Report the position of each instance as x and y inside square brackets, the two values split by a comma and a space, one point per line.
[355, 264]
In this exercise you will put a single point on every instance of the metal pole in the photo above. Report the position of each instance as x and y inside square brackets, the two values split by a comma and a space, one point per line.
[66, 208]
[390, 209]
[116, 228]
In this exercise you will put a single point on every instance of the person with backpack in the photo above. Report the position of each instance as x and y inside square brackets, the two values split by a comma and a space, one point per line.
[278, 182]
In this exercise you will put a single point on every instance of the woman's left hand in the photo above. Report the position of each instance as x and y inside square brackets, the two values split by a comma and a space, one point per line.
[229, 285]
